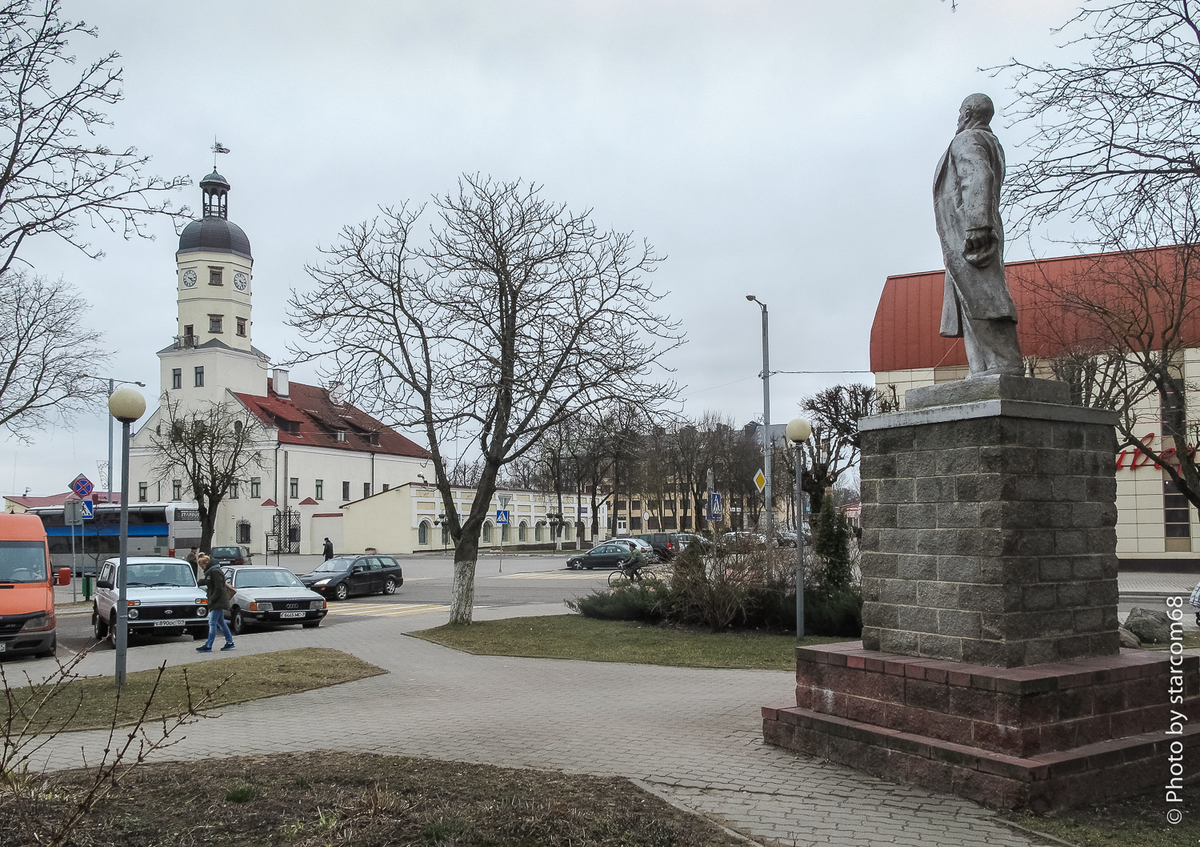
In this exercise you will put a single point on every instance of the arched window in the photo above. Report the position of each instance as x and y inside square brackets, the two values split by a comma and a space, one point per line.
[537, 531]
[504, 533]
[423, 533]
[445, 533]
[521, 532]
[487, 533]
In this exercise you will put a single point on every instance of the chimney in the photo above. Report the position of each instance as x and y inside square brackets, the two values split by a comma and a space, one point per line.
[337, 393]
[279, 381]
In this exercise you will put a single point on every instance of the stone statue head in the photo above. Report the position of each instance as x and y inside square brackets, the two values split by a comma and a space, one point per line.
[976, 112]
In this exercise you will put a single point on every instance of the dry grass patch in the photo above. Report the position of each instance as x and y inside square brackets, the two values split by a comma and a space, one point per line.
[89, 703]
[591, 640]
[335, 799]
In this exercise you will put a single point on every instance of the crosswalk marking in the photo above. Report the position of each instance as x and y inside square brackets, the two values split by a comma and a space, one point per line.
[554, 575]
[385, 610]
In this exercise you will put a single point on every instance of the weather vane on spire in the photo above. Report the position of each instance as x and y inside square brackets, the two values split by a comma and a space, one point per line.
[217, 147]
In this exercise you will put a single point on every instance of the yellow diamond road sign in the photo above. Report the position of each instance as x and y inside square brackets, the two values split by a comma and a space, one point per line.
[760, 480]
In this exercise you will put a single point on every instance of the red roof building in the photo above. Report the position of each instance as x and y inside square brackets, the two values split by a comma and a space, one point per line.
[907, 352]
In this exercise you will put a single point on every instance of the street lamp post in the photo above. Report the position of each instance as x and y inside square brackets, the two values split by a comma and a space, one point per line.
[112, 383]
[126, 405]
[766, 378]
[798, 432]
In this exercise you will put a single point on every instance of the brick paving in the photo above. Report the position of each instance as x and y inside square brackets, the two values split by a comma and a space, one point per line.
[694, 736]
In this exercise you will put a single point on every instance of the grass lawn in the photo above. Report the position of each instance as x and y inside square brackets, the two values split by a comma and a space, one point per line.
[1134, 822]
[577, 637]
[360, 799]
[246, 678]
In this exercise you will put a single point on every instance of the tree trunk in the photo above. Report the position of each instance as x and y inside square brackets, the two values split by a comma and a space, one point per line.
[466, 556]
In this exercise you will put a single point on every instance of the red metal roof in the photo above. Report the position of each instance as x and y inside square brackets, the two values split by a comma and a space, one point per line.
[904, 334]
[307, 416]
[59, 499]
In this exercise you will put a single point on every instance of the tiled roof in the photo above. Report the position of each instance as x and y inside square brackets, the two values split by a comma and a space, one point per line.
[307, 416]
[907, 319]
[58, 499]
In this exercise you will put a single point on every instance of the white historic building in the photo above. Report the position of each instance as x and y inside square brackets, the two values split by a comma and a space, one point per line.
[318, 453]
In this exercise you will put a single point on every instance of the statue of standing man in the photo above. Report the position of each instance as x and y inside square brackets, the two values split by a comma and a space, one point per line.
[966, 202]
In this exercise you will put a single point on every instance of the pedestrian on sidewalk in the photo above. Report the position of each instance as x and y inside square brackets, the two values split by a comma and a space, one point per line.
[328, 549]
[218, 604]
[194, 562]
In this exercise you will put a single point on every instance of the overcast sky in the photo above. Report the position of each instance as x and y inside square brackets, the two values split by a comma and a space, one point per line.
[784, 149]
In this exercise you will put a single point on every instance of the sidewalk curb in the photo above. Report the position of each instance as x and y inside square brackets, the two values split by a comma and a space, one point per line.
[650, 789]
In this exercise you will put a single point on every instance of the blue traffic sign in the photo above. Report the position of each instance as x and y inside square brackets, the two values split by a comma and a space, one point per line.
[716, 507]
[89, 510]
[502, 516]
[82, 486]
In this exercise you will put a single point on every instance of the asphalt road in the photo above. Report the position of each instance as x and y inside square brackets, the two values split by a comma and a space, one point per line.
[512, 581]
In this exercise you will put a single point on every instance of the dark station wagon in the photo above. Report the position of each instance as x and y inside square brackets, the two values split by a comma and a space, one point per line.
[342, 576]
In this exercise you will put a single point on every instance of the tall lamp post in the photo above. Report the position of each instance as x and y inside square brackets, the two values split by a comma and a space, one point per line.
[126, 405]
[112, 383]
[766, 378]
[798, 432]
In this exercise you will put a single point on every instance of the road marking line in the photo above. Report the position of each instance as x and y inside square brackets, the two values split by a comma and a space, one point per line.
[386, 610]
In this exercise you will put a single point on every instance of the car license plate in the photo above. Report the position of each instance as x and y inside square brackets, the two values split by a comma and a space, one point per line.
[168, 623]
[291, 614]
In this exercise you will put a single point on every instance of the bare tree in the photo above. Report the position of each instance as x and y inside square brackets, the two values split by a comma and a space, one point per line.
[44, 352]
[1123, 321]
[213, 447]
[1119, 131]
[593, 462]
[54, 173]
[834, 446]
[514, 315]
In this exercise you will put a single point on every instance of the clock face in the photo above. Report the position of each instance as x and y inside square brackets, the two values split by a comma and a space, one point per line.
[189, 278]
[240, 281]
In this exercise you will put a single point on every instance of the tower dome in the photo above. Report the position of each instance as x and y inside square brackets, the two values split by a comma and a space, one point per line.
[214, 232]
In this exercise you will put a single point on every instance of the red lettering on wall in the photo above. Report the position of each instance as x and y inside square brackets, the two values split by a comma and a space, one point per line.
[1140, 459]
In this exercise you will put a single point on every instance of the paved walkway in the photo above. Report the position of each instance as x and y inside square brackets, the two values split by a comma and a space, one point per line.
[693, 735]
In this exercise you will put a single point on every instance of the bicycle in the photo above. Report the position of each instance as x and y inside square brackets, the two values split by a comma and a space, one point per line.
[632, 572]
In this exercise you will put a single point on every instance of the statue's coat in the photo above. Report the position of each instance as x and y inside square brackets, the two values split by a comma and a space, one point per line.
[966, 195]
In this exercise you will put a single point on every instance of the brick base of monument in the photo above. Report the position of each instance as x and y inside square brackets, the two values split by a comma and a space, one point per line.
[1040, 737]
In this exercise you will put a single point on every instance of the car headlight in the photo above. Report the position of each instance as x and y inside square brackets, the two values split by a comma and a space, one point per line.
[316, 605]
[260, 607]
[41, 623]
[321, 582]
[135, 602]
[132, 614]
[201, 601]
[201, 611]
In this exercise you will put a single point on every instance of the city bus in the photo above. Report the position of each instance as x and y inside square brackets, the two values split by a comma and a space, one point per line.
[155, 529]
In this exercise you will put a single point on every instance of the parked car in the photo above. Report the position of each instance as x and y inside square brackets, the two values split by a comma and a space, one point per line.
[634, 543]
[686, 538]
[743, 539]
[271, 596]
[224, 556]
[342, 576]
[667, 544]
[162, 595]
[608, 555]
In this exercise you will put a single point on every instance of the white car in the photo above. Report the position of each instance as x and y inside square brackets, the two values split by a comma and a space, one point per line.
[162, 595]
[637, 545]
[271, 596]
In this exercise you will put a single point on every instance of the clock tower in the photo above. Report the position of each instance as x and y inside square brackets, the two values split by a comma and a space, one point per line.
[214, 274]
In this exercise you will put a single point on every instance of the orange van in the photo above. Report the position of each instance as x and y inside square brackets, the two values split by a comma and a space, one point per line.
[26, 592]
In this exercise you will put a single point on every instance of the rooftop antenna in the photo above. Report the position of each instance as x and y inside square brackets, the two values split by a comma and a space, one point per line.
[217, 147]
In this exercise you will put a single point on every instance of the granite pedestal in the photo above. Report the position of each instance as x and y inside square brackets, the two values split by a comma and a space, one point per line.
[990, 663]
